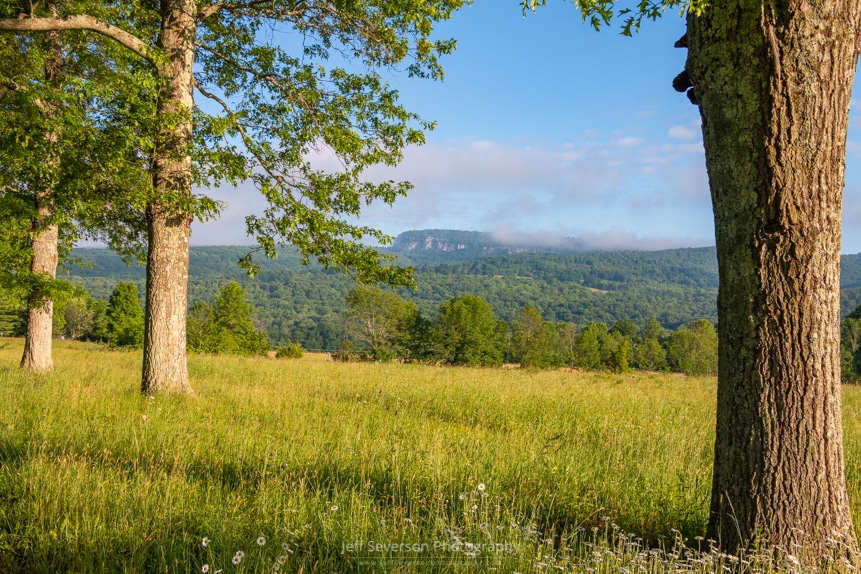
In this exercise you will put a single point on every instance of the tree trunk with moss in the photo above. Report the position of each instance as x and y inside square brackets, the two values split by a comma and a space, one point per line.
[773, 82]
[168, 216]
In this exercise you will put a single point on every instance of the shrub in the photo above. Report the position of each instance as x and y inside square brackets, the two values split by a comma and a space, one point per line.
[290, 351]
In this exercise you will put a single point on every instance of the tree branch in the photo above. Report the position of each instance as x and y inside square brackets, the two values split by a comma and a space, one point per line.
[241, 129]
[80, 22]
[208, 11]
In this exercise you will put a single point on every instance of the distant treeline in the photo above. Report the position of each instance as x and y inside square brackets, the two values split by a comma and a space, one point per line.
[382, 326]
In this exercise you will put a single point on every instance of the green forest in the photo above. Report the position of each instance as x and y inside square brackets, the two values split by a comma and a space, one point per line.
[305, 304]
[570, 295]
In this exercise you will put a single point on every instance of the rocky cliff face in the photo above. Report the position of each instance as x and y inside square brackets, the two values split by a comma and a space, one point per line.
[431, 243]
[463, 243]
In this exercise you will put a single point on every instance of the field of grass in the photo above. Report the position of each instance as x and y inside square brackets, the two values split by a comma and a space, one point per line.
[314, 466]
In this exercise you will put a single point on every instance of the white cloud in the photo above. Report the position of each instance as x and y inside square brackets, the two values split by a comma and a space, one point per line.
[618, 239]
[649, 189]
[688, 131]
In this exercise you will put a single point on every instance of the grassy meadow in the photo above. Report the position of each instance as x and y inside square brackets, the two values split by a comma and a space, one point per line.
[314, 466]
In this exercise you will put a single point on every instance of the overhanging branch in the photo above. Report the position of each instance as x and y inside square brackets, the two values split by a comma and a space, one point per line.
[80, 22]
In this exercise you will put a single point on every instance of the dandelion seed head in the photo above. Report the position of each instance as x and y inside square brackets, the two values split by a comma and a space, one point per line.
[261, 541]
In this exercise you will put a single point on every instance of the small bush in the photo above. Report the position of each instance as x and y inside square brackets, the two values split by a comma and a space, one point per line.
[290, 351]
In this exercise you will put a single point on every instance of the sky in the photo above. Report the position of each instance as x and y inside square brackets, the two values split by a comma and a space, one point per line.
[549, 129]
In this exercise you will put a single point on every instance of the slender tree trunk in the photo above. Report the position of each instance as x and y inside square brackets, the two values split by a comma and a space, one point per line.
[773, 81]
[168, 218]
[37, 345]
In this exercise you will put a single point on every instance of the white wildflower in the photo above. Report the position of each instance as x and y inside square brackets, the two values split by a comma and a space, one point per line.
[261, 541]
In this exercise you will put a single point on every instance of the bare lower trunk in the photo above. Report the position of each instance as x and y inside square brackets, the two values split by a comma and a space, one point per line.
[169, 221]
[773, 82]
[37, 345]
[164, 367]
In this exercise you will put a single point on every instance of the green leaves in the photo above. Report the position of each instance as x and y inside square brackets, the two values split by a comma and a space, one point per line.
[125, 321]
[380, 322]
[228, 327]
[305, 124]
[601, 13]
[296, 104]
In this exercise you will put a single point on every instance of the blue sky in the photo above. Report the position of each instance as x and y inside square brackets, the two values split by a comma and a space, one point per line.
[548, 129]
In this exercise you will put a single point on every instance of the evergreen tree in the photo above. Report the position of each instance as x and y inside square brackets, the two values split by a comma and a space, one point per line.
[235, 317]
[650, 355]
[588, 346]
[566, 340]
[125, 324]
[227, 327]
[618, 352]
[99, 310]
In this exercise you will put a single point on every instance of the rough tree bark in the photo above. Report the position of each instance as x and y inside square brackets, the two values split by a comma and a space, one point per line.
[168, 218]
[37, 344]
[773, 82]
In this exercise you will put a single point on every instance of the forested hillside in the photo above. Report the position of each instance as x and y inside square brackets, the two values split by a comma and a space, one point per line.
[305, 303]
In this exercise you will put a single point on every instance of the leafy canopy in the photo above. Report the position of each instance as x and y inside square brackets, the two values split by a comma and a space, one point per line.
[600, 13]
[293, 86]
[67, 144]
[288, 87]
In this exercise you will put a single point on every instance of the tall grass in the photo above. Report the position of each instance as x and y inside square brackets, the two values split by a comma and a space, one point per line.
[307, 465]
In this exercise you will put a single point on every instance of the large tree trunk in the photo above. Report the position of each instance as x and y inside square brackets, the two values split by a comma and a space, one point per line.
[169, 221]
[773, 81]
[37, 344]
